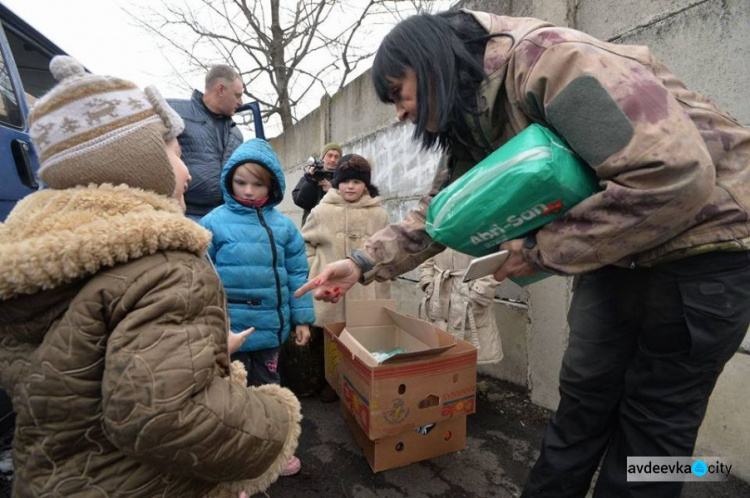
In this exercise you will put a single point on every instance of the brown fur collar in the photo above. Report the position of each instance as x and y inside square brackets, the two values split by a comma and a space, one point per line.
[57, 236]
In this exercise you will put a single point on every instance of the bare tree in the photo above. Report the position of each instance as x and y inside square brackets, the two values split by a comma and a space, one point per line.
[285, 50]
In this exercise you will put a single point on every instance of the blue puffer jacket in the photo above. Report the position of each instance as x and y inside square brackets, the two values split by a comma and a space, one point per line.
[207, 143]
[260, 256]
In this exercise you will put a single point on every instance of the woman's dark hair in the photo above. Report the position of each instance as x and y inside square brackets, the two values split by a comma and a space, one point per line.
[446, 52]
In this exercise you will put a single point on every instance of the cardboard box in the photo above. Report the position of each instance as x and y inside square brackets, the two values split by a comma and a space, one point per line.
[375, 326]
[411, 446]
[432, 382]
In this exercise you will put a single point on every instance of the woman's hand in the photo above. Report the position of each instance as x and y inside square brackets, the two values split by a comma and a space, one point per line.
[516, 265]
[331, 284]
[234, 341]
[302, 334]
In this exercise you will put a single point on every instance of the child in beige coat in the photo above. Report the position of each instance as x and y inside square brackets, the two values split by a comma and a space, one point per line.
[347, 215]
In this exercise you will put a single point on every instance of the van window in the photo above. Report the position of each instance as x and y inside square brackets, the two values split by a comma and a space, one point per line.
[10, 110]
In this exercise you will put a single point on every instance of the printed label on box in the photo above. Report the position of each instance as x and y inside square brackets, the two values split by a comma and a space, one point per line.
[335, 359]
[461, 401]
[397, 414]
[463, 405]
[357, 404]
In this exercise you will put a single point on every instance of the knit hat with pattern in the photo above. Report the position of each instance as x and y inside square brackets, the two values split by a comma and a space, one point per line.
[101, 129]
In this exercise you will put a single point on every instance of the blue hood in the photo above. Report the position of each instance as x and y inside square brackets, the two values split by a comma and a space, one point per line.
[257, 151]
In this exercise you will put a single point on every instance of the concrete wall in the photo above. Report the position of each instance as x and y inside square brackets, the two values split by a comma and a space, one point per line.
[705, 42]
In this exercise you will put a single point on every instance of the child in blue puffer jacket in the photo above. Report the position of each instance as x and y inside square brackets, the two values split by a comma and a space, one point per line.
[260, 257]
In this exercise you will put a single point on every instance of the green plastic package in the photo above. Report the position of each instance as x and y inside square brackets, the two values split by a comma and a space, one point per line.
[528, 182]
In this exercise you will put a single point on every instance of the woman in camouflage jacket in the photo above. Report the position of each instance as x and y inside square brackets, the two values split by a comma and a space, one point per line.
[662, 294]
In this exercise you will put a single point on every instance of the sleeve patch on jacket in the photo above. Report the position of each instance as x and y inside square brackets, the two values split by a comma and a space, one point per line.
[590, 120]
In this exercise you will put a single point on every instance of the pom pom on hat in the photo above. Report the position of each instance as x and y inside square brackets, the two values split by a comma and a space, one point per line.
[63, 67]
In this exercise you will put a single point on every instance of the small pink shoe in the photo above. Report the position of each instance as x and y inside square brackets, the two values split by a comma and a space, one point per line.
[293, 466]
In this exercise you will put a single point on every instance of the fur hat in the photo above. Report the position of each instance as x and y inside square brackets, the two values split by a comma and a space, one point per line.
[330, 146]
[354, 167]
[101, 129]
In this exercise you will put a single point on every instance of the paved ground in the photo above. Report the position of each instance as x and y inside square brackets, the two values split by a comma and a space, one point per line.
[502, 444]
[502, 441]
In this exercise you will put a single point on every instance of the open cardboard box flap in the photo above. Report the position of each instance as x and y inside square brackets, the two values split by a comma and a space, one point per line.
[374, 326]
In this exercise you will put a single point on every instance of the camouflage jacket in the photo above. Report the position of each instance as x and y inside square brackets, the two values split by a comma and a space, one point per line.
[672, 166]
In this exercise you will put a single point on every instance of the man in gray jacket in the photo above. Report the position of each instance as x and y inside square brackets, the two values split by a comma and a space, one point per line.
[210, 136]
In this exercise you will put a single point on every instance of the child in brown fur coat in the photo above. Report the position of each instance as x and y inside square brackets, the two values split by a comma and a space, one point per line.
[113, 328]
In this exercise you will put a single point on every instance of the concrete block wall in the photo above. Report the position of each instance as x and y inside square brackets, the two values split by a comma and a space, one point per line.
[705, 42]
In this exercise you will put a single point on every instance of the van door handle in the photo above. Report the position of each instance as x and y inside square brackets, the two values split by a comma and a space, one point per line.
[22, 157]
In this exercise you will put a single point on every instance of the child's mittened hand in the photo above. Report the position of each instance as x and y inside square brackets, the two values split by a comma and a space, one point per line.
[234, 341]
[302, 333]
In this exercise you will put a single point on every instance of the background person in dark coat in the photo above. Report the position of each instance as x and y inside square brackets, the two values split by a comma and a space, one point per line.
[309, 191]
[210, 136]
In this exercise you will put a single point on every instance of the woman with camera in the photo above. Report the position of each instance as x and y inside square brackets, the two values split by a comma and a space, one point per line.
[317, 179]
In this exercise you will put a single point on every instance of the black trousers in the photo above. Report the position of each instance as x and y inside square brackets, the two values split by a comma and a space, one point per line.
[262, 366]
[302, 368]
[646, 347]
